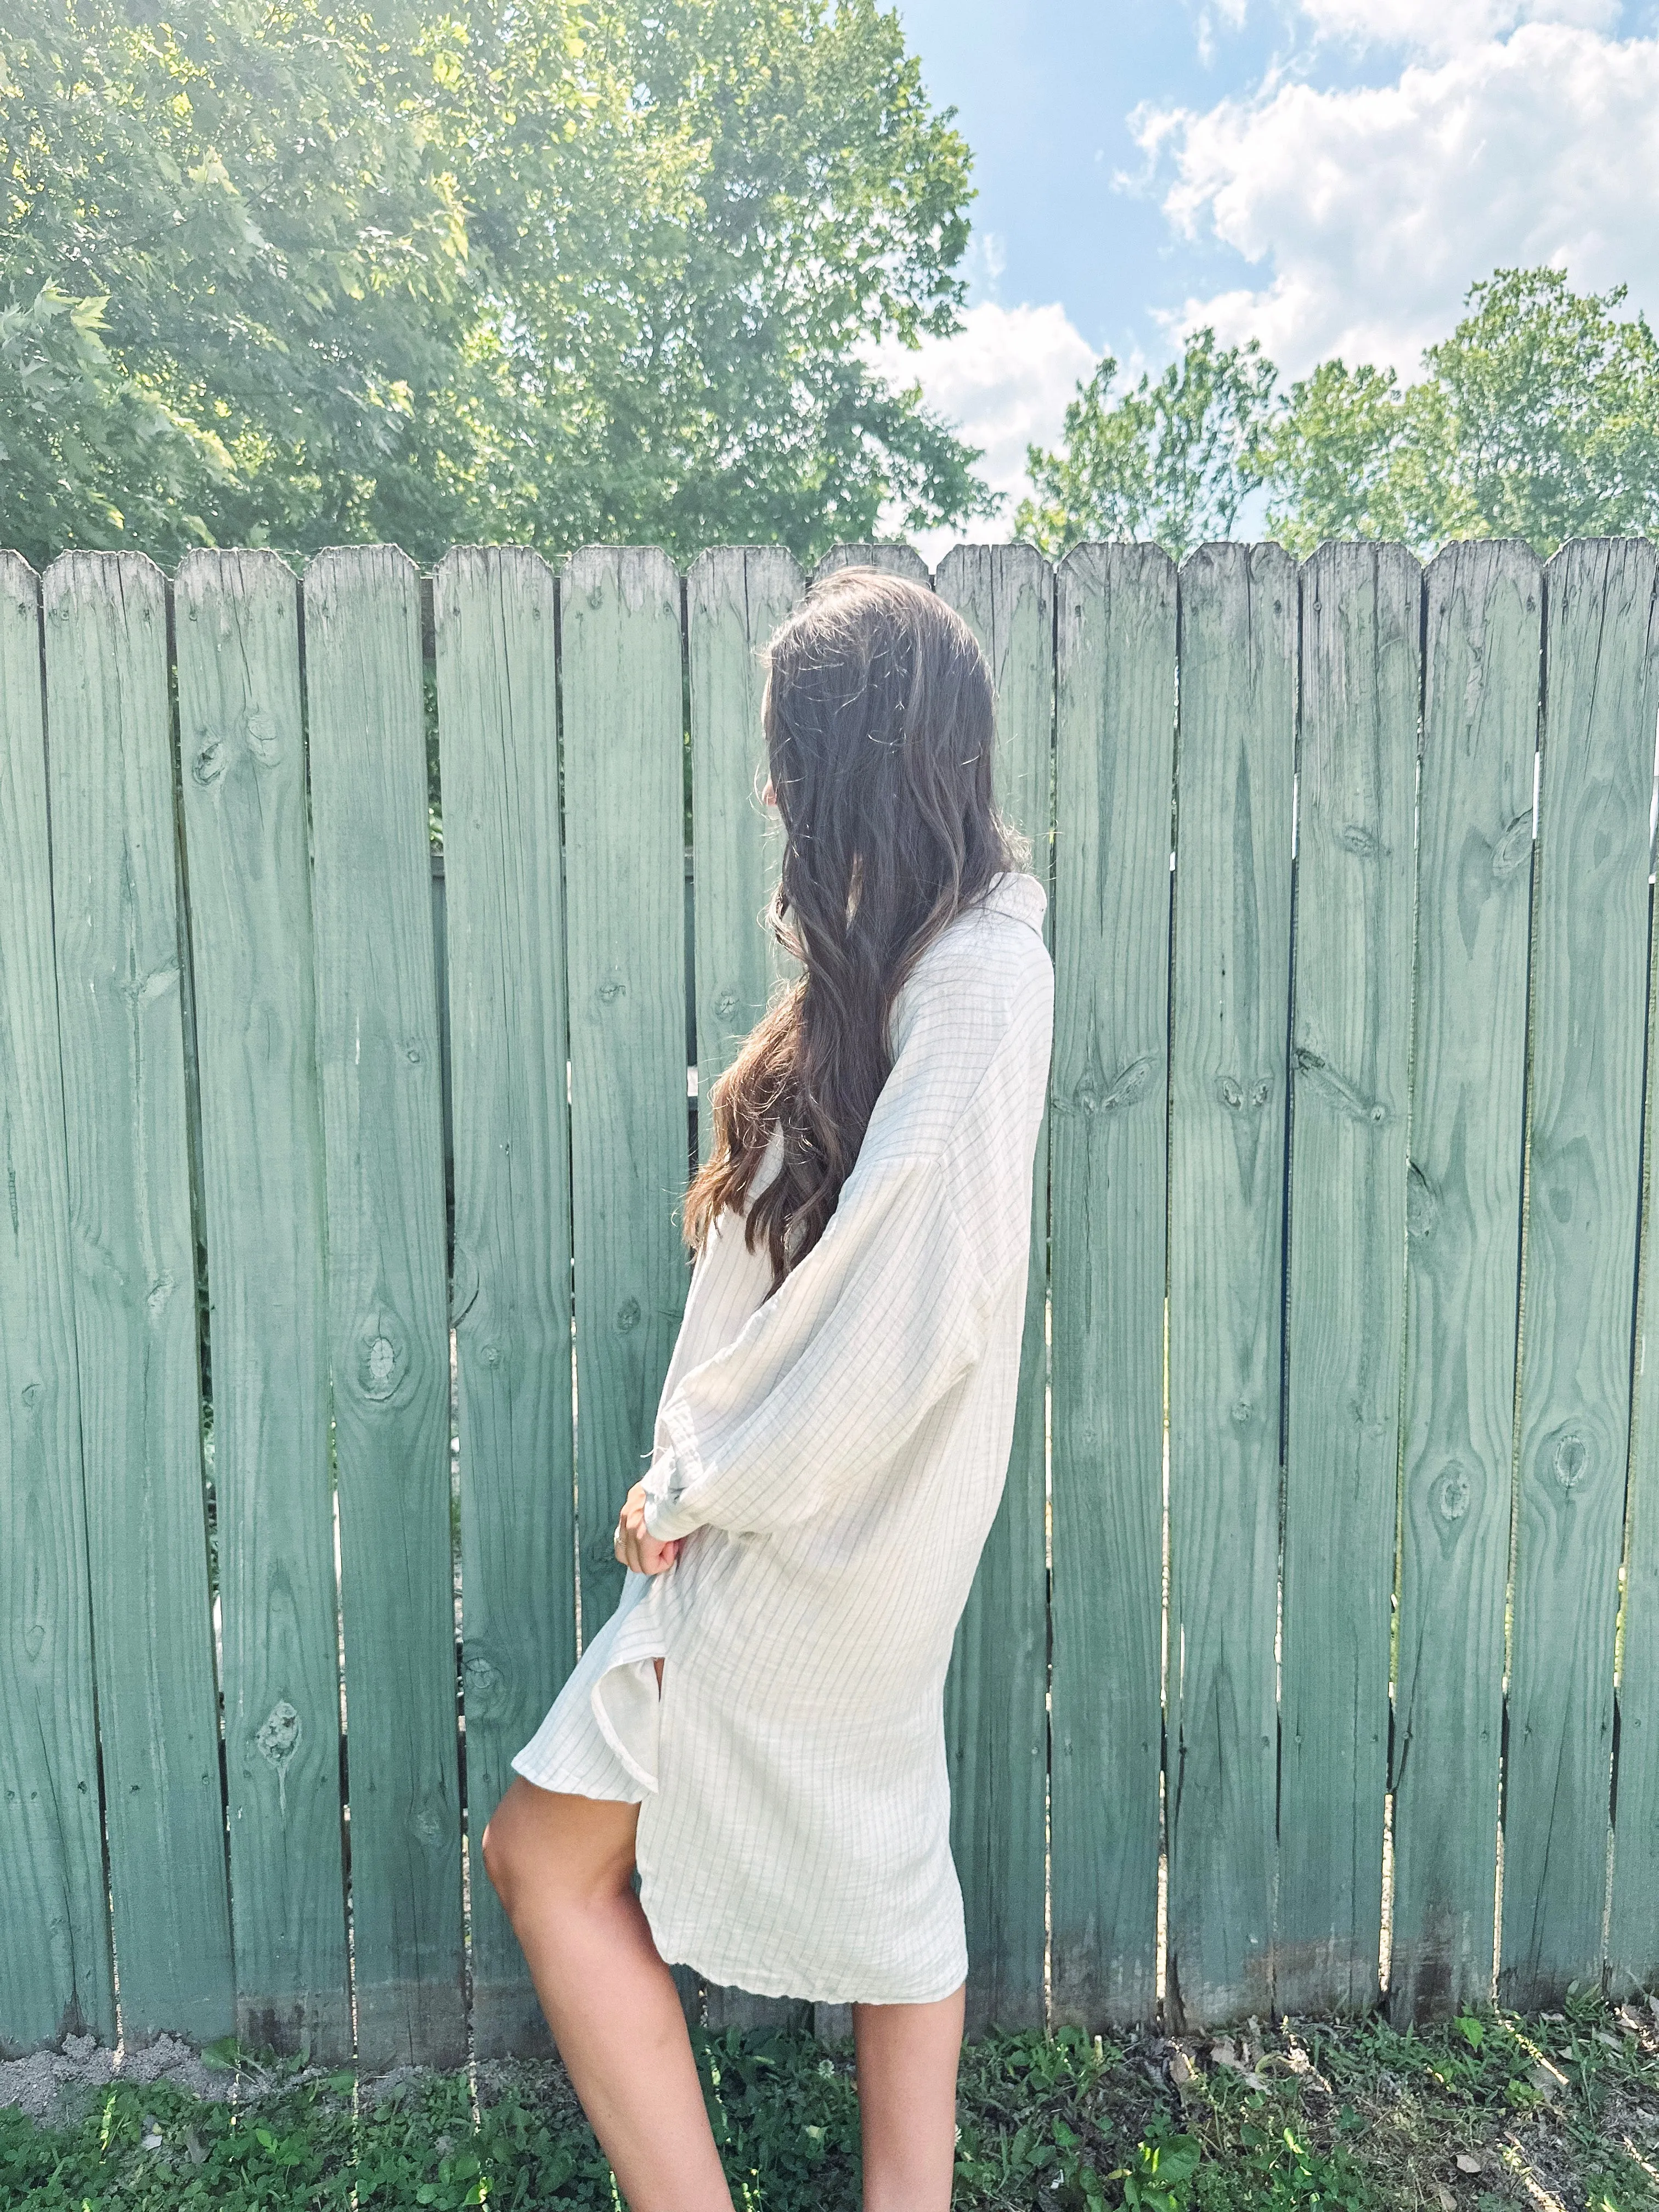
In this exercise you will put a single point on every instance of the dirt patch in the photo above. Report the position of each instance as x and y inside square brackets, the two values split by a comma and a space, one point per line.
[47, 2081]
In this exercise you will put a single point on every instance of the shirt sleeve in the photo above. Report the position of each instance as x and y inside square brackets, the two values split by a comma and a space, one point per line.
[829, 1378]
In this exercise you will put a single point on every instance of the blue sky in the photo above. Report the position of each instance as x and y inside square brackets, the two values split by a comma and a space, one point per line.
[1326, 175]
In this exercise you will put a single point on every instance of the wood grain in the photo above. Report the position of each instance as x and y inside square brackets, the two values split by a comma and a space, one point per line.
[996, 1728]
[377, 1048]
[496, 617]
[55, 1976]
[623, 789]
[1583, 1197]
[1482, 628]
[735, 596]
[243, 781]
[1633, 1918]
[115, 895]
[1351, 1041]
[1114, 745]
[1227, 1105]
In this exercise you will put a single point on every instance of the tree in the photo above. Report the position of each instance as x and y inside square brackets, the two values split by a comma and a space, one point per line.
[1538, 418]
[538, 269]
[1171, 459]
[779, 194]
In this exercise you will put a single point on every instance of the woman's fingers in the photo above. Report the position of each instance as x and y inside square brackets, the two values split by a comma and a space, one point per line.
[635, 1546]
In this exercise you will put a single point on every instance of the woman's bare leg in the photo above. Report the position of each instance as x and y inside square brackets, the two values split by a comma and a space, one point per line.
[907, 2061]
[561, 1867]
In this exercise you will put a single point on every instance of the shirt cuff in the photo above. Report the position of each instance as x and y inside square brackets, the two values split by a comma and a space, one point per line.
[666, 1516]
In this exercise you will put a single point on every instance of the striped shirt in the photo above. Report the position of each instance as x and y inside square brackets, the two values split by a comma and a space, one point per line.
[833, 1456]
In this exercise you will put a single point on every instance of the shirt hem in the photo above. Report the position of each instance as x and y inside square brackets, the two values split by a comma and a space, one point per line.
[801, 1989]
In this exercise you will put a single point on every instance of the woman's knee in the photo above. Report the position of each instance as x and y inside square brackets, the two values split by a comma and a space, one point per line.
[556, 1850]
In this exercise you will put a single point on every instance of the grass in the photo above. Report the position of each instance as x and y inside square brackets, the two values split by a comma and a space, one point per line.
[1560, 2113]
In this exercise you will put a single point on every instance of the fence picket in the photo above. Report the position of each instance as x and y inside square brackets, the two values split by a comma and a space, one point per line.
[1115, 740]
[629, 1147]
[1350, 1036]
[55, 1962]
[115, 897]
[382, 1128]
[996, 1728]
[244, 796]
[1590, 1005]
[1482, 631]
[494, 615]
[735, 597]
[891, 558]
[1633, 1923]
[1231, 982]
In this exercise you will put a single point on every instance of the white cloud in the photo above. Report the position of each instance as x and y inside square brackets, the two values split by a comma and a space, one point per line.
[1004, 381]
[1370, 211]
[1437, 25]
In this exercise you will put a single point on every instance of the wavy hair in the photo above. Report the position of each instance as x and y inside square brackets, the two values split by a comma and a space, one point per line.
[878, 722]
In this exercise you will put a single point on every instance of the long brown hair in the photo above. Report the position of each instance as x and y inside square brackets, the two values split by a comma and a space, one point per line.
[878, 723]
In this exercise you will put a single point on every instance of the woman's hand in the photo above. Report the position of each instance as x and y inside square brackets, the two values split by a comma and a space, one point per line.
[635, 1546]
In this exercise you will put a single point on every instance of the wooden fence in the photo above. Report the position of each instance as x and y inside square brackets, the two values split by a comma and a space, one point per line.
[1315, 1625]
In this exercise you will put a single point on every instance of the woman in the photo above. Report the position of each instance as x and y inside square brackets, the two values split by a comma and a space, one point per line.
[759, 1725]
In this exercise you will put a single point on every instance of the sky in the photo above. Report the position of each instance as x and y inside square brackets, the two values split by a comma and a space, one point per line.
[1327, 176]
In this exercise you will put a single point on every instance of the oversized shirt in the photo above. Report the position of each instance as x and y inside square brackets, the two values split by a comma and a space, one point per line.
[833, 1456]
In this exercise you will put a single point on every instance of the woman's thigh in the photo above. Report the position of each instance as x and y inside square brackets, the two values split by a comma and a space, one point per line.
[553, 1844]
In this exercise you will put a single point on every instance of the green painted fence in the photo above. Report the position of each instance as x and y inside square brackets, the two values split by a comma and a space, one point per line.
[1315, 1655]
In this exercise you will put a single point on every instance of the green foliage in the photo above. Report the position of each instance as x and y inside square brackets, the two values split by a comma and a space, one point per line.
[156, 2149]
[545, 270]
[1338, 2117]
[784, 2116]
[1279, 2171]
[1537, 418]
[1160, 2172]
[1171, 459]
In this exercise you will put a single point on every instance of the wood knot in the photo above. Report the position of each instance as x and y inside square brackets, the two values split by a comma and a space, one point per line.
[278, 1738]
[1094, 1095]
[1570, 1460]
[1422, 1207]
[1513, 848]
[211, 759]
[1234, 1095]
[628, 1314]
[1453, 1489]
[377, 1367]
[260, 731]
[484, 1686]
[1336, 1091]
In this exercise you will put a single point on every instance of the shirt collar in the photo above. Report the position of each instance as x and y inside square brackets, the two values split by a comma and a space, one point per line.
[1019, 896]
